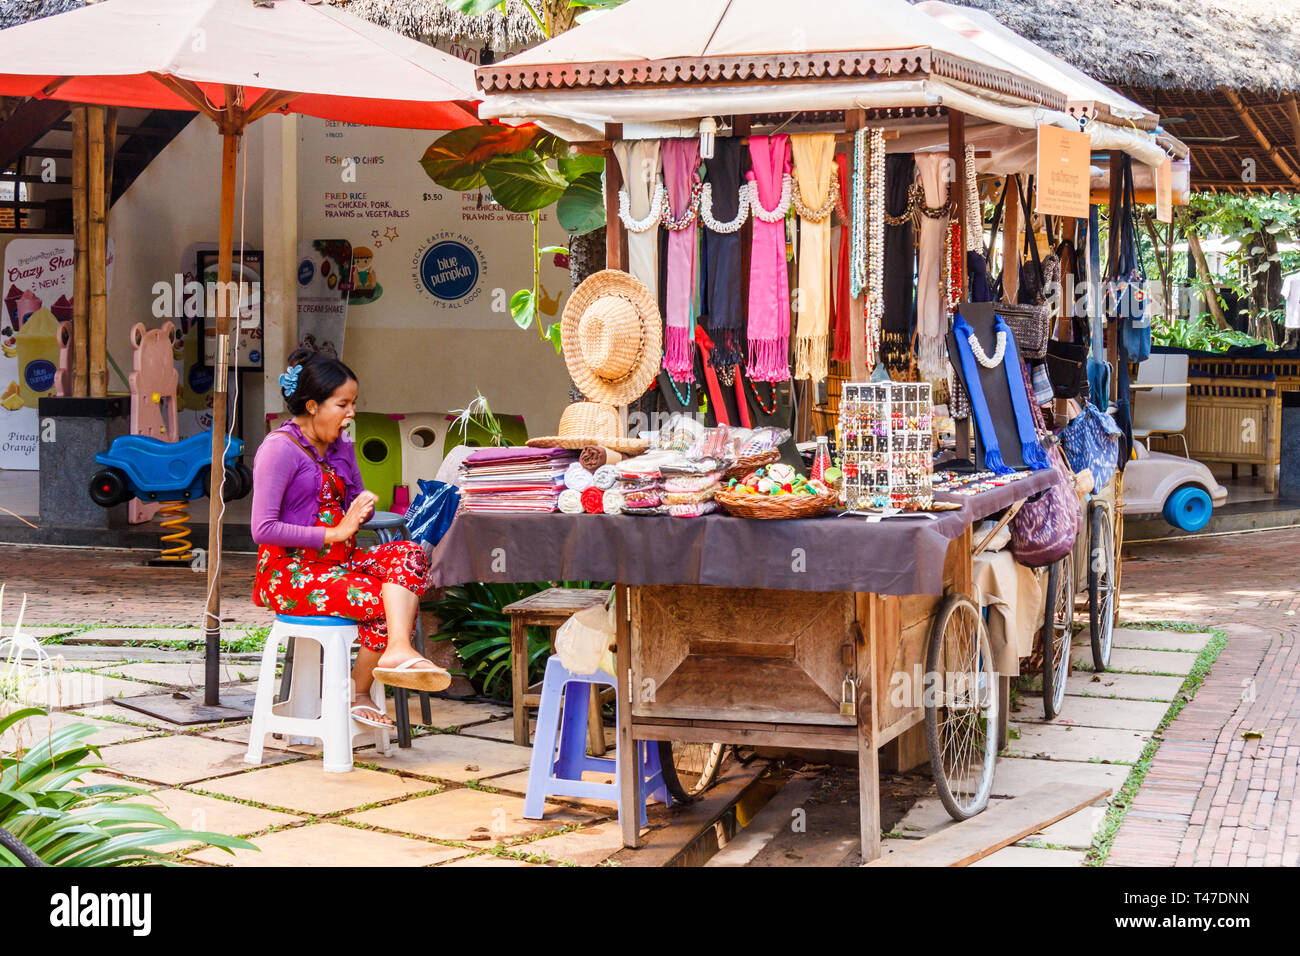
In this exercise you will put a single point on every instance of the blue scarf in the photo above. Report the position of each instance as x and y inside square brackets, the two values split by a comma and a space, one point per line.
[1030, 449]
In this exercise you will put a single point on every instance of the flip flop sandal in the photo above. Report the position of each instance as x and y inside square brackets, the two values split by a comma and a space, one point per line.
[368, 721]
[432, 678]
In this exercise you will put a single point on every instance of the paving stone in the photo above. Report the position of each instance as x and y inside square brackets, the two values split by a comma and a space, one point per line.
[193, 811]
[489, 859]
[94, 655]
[111, 636]
[180, 674]
[1078, 743]
[1026, 856]
[305, 787]
[450, 713]
[463, 812]
[1137, 662]
[518, 783]
[585, 847]
[1075, 831]
[1158, 640]
[41, 632]
[1095, 712]
[79, 688]
[1129, 686]
[454, 757]
[178, 759]
[119, 713]
[238, 734]
[31, 731]
[94, 779]
[926, 818]
[497, 730]
[332, 844]
[1015, 776]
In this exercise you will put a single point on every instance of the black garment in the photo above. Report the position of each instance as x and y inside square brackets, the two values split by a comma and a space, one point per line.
[724, 310]
[900, 269]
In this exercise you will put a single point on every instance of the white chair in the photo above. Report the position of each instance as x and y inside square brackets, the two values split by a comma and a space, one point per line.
[320, 696]
[1160, 398]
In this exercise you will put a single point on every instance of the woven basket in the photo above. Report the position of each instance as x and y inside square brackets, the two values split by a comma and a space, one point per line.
[1030, 324]
[775, 506]
[743, 466]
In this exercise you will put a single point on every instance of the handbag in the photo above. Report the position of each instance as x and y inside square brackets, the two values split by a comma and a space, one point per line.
[1044, 529]
[1091, 442]
[1129, 276]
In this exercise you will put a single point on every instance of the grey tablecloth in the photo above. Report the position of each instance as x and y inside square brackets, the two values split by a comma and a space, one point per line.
[848, 553]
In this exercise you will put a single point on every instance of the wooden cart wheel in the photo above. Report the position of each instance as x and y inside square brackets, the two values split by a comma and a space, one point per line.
[690, 769]
[961, 707]
[1101, 585]
[1057, 634]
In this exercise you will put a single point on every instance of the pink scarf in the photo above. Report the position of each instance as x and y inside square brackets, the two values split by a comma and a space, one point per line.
[769, 282]
[681, 158]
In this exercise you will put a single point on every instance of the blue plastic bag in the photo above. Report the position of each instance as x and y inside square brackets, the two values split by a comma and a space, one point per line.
[432, 511]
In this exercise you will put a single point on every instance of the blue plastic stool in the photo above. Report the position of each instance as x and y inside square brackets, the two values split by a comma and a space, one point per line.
[559, 774]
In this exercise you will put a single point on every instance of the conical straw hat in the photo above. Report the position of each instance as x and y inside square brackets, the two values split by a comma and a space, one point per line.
[612, 335]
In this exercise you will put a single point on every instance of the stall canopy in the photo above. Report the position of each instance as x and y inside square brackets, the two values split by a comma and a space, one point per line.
[235, 61]
[656, 61]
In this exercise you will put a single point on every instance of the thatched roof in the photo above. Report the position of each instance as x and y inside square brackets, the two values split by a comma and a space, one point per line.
[429, 20]
[1165, 44]
[14, 12]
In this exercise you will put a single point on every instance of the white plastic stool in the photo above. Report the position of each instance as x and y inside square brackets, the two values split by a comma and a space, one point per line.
[320, 698]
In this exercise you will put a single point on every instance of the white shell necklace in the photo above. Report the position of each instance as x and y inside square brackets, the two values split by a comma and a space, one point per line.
[706, 211]
[782, 208]
[977, 350]
[651, 218]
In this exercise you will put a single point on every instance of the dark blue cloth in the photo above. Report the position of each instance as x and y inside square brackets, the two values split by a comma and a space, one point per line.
[432, 511]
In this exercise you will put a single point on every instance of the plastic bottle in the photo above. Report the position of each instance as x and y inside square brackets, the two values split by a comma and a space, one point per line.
[821, 458]
[38, 356]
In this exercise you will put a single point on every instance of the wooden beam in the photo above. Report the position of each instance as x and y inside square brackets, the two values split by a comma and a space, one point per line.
[957, 153]
[1275, 154]
[1293, 114]
[613, 183]
[80, 259]
[32, 120]
[97, 246]
[190, 93]
[1011, 240]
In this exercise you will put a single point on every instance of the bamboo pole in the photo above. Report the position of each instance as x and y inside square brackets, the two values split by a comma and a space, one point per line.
[1261, 137]
[225, 255]
[110, 157]
[80, 259]
[98, 252]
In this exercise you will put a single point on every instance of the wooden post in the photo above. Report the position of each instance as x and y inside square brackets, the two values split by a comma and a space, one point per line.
[1203, 268]
[957, 152]
[629, 767]
[1116, 199]
[868, 753]
[97, 245]
[80, 259]
[225, 255]
[613, 183]
[854, 120]
[1011, 240]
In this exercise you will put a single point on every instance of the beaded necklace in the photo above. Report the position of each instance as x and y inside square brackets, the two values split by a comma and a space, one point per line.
[651, 219]
[688, 218]
[686, 402]
[821, 212]
[706, 211]
[867, 255]
[782, 207]
[754, 388]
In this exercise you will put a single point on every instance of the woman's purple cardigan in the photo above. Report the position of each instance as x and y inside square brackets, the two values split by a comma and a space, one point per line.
[286, 488]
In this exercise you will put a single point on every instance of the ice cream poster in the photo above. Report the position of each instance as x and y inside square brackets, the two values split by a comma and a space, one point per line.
[324, 282]
[35, 339]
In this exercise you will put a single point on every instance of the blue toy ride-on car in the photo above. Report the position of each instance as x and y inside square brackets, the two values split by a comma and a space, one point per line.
[136, 466]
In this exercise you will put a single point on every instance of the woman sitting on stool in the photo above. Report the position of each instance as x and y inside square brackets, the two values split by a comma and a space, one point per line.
[308, 504]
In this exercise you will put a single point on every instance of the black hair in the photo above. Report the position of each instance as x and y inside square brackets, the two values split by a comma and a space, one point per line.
[321, 375]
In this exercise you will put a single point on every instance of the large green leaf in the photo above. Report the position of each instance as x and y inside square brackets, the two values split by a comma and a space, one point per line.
[523, 306]
[523, 183]
[455, 160]
[582, 207]
[574, 165]
[473, 8]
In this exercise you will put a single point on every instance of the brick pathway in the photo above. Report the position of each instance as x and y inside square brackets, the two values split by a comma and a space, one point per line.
[85, 586]
[1212, 797]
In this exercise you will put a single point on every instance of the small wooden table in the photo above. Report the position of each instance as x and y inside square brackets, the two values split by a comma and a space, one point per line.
[549, 609]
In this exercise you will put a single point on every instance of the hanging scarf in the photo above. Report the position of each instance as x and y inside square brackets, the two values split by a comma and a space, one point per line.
[841, 299]
[900, 248]
[813, 168]
[639, 162]
[769, 283]
[1030, 450]
[681, 159]
[931, 314]
[724, 318]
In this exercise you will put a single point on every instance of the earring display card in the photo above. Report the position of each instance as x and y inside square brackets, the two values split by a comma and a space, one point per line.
[886, 445]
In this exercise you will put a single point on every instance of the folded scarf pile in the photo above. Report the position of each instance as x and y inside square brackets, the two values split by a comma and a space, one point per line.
[570, 502]
[593, 501]
[576, 477]
[594, 456]
[604, 477]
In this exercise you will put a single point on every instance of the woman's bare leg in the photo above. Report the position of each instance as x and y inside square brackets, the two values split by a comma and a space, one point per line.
[363, 675]
[400, 608]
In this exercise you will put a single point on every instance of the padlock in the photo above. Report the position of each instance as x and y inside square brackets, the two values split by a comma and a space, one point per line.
[849, 697]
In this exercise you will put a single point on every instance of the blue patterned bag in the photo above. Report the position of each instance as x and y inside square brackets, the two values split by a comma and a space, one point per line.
[1091, 441]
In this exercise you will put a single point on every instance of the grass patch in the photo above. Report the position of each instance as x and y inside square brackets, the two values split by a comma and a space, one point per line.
[1119, 806]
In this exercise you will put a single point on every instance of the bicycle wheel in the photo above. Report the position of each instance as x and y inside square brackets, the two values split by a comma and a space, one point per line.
[690, 769]
[961, 707]
[1057, 634]
[1101, 586]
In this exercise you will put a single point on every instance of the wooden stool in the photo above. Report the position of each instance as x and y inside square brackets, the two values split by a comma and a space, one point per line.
[548, 609]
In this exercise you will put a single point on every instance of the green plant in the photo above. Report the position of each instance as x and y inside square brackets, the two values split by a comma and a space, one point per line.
[63, 824]
[1197, 334]
[473, 620]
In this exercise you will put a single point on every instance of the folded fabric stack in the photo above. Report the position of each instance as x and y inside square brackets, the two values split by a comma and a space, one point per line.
[514, 479]
[690, 495]
[639, 482]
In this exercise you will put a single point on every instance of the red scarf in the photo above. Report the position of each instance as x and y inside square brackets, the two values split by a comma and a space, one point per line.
[840, 299]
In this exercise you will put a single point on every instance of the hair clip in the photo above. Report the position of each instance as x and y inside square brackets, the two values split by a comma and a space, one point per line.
[289, 380]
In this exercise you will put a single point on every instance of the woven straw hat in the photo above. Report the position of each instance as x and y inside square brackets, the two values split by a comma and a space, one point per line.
[613, 337]
[590, 423]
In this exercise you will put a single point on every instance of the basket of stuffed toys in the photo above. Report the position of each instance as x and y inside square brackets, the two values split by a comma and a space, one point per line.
[776, 491]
